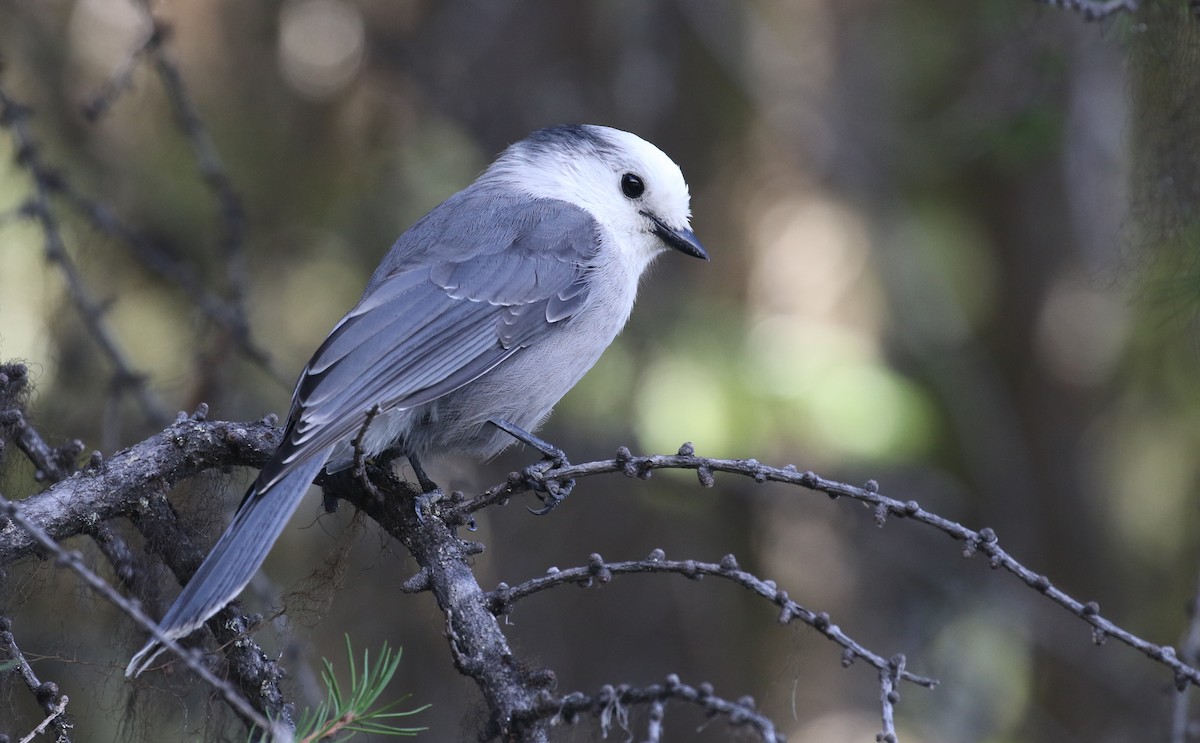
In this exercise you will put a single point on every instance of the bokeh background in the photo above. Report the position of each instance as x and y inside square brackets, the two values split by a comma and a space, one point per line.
[952, 252]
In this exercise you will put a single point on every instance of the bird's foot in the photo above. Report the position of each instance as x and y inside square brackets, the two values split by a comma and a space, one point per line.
[552, 491]
[425, 502]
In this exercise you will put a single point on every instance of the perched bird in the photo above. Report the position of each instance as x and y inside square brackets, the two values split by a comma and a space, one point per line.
[475, 324]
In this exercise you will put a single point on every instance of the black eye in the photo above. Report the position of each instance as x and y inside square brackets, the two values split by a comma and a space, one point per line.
[632, 186]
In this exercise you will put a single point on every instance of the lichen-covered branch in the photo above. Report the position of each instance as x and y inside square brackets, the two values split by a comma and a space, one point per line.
[118, 485]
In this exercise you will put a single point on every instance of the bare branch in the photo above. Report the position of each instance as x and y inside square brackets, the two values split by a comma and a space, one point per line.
[52, 463]
[149, 468]
[477, 644]
[55, 718]
[479, 648]
[984, 540]
[1182, 727]
[212, 170]
[116, 550]
[46, 693]
[889, 695]
[227, 314]
[122, 77]
[258, 676]
[91, 311]
[218, 311]
[74, 562]
[611, 704]
[599, 572]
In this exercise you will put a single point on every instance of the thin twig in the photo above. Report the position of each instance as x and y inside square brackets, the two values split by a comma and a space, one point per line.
[46, 693]
[158, 261]
[889, 695]
[228, 314]
[984, 540]
[122, 77]
[610, 704]
[597, 571]
[1189, 650]
[116, 550]
[212, 170]
[75, 563]
[52, 463]
[91, 311]
[55, 717]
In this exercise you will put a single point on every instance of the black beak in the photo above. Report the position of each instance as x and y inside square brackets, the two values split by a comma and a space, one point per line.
[684, 241]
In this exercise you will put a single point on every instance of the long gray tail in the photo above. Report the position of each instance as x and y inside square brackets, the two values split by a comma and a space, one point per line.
[234, 559]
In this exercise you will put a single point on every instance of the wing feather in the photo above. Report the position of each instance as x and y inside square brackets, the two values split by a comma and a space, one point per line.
[433, 320]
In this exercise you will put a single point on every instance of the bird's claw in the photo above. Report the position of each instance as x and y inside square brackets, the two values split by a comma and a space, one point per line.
[425, 502]
[556, 492]
[553, 458]
[544, 509]
[550, 492]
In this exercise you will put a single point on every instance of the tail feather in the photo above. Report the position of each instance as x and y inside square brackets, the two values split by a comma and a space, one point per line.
[234, 559]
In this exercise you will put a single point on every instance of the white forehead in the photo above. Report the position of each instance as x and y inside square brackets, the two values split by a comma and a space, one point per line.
[584, 165]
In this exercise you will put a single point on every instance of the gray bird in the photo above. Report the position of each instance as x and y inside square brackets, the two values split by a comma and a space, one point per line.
[475, 324]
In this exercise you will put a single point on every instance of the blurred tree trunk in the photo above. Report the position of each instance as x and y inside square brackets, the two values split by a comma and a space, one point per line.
[1165, 77]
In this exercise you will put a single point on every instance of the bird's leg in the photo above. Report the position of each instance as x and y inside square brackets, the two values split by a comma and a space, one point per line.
[430, 492]
[554, 458]
[548, 450]
[427, 485]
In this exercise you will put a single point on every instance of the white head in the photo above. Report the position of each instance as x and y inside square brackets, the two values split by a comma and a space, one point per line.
[627, 184]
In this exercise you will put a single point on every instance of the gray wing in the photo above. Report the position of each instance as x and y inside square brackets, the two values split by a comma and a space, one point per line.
[467, 287]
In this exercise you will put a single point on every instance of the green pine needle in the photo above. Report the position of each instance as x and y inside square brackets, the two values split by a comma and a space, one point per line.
[341, 714]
